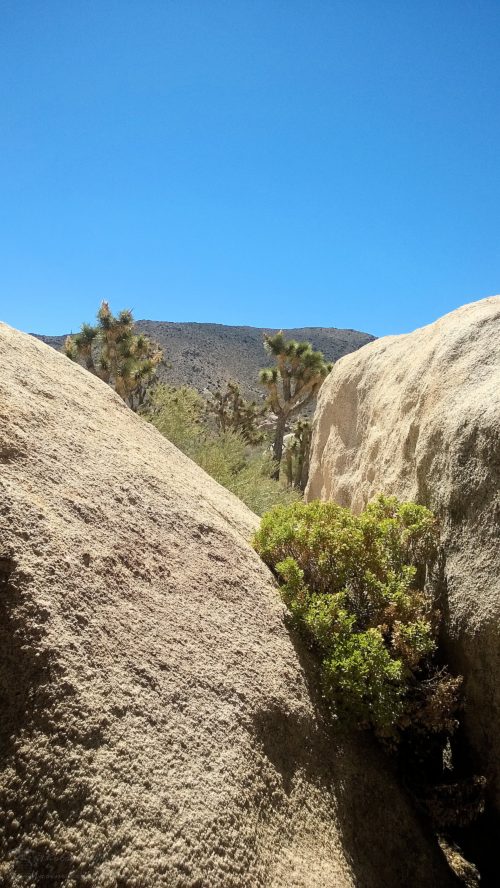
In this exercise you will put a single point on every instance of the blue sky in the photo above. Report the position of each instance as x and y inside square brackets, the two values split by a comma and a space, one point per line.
[265, 162]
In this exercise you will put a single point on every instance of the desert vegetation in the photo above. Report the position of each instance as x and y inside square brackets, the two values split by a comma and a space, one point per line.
[232, 413]
[224, 433]
[360, 591]
[229, 445]
[297, 455]
[231, 439]
[112, 351]
[356, 584]
[290, 385]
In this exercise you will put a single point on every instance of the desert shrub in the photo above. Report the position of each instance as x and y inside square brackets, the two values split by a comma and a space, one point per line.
[180, 414]
[245, 471]
[256, 487]
[360, 591]
[356, 588]
[177, 413]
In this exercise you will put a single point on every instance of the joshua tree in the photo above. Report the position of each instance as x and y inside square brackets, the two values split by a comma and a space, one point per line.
[296, 448]
[298, 375]
[231, 411]
[301, 447]
[112, 351]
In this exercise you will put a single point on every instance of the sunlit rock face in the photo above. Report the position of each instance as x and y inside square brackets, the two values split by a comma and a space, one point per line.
[418, 416]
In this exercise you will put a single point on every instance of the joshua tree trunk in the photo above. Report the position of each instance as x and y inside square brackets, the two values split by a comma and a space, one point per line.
[289, 466]
[303, 451]
[278, 443]
[304, 472]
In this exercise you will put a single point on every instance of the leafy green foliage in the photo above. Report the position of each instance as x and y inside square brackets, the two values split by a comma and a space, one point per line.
[178, 414]
[181, 415]
[355, 585]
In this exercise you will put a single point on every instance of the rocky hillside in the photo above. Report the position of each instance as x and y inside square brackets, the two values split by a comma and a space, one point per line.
[207, 356]
[419, 416]
[159, 726]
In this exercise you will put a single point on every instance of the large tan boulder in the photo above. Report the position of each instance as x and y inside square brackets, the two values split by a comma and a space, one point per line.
[418, 416]
[157, 727]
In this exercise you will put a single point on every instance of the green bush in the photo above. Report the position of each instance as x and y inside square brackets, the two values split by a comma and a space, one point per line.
[177, 413]
[356, 587]
[180, 414]
[254, 485]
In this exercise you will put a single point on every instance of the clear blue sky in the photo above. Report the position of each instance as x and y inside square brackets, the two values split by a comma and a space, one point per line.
[264, 162]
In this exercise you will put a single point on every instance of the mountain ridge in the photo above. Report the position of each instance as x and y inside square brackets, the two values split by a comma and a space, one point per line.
[208, 355]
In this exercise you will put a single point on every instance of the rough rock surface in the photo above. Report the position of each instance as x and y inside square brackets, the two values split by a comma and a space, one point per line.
[157, 723]
[419, 416]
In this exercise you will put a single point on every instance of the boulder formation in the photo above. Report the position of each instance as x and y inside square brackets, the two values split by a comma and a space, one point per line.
[418, 416]
[158, 722]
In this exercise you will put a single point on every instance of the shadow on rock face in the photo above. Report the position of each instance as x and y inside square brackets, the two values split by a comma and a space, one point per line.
[386, 840]
[35, 798]
[24, 664]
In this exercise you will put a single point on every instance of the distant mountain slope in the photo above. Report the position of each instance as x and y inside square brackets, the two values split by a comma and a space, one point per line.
[207, 356]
